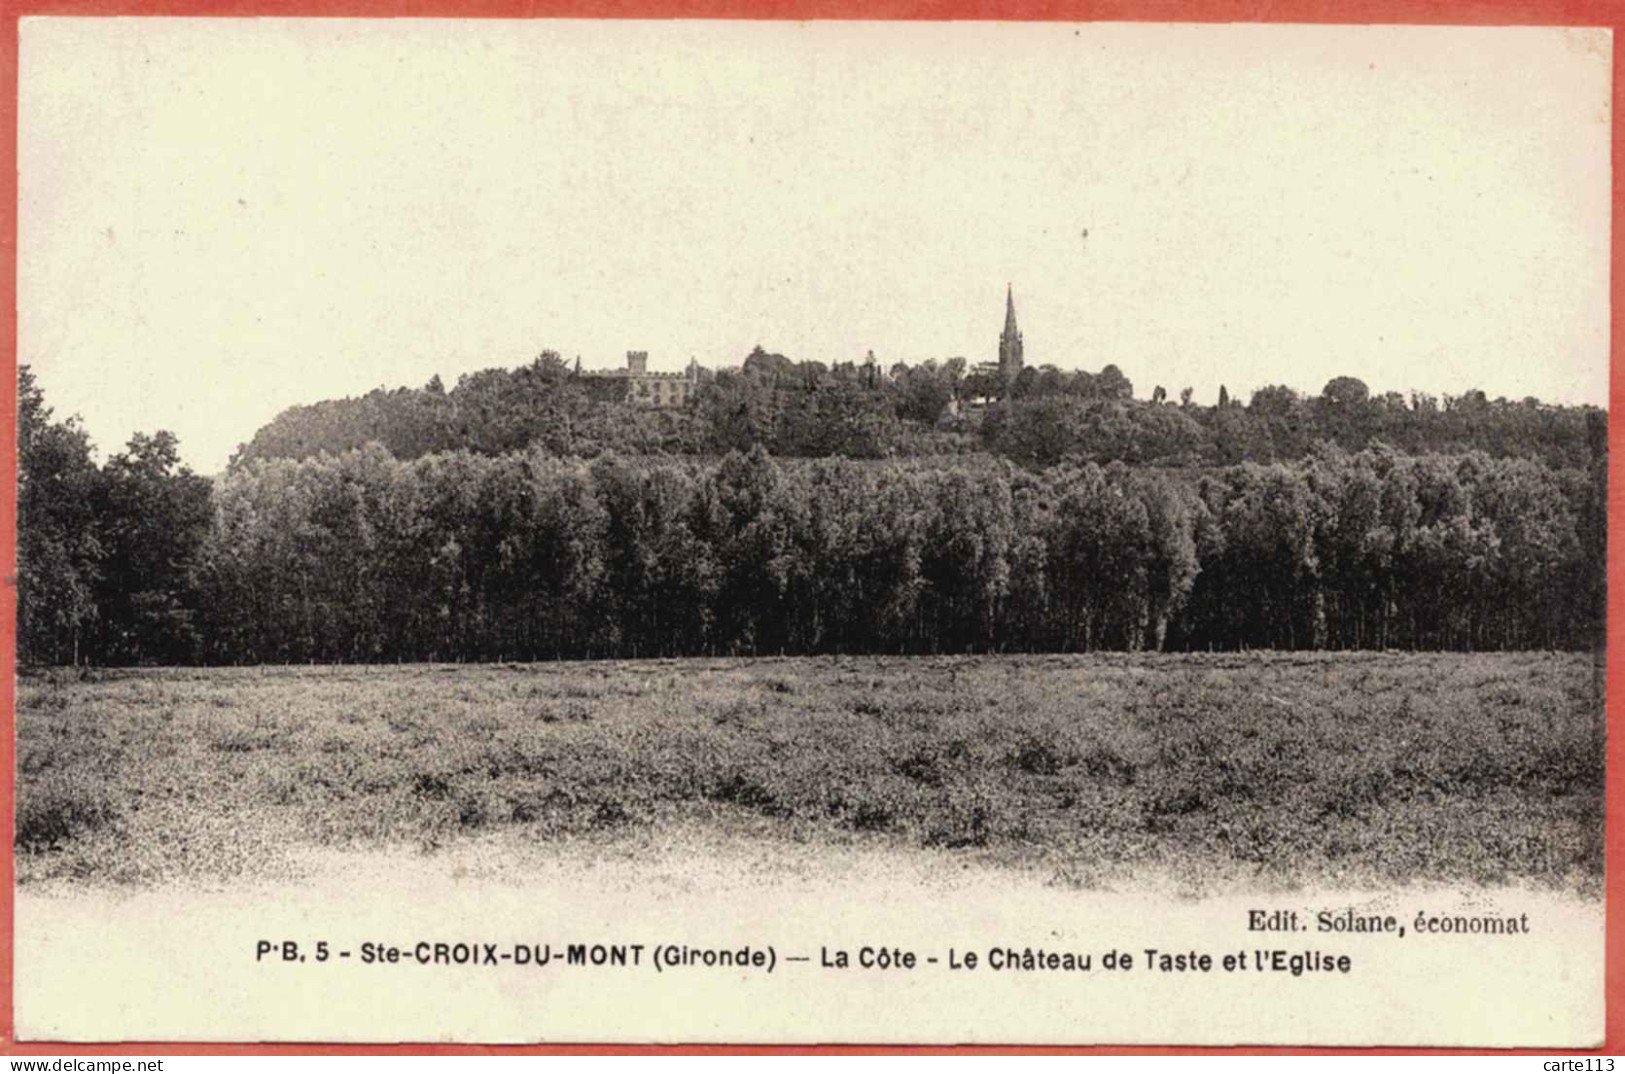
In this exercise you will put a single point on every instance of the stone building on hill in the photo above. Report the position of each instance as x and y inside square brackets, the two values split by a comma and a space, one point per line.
[643, 388]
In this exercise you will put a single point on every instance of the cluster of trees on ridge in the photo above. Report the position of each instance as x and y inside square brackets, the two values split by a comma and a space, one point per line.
[526, 555]
[807, 409]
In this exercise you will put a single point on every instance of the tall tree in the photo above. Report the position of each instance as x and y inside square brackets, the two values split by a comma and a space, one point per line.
[59, 549]
[155, 515]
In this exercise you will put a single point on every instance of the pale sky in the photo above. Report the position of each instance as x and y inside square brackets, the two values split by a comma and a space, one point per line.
[223, 218]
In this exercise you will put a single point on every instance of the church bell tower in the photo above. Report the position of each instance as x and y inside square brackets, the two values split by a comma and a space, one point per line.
[1010, 340]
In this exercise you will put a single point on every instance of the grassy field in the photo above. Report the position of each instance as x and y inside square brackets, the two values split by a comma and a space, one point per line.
[1275, 768]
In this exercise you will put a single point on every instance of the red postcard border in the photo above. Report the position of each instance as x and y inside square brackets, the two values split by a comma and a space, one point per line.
[1608, 13]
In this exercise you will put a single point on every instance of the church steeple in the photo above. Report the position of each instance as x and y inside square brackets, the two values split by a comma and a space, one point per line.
[1010, 340]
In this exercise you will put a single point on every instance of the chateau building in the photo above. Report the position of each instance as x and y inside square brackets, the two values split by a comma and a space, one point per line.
[644, 388]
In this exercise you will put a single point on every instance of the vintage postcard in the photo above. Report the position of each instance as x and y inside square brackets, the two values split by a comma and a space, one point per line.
[766, 532]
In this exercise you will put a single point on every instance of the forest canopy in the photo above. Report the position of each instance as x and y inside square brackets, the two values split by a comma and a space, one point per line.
[807, 409]
[530, 554]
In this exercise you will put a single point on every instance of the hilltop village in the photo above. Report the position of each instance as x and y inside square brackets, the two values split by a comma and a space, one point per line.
[1005, 405]
[792, 506]
[970, 394]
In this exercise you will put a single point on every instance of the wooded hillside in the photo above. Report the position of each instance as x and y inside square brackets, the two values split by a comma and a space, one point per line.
[807, 409]
[527, 555]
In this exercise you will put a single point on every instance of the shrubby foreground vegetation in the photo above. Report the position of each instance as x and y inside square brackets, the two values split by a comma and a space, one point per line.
[1100, 769]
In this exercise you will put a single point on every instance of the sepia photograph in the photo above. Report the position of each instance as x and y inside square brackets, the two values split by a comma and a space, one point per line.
[810, 532]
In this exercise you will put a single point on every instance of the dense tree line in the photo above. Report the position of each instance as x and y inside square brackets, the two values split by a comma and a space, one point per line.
[525, 555]
[1041, 426]
[105, 555]
[858, 410]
